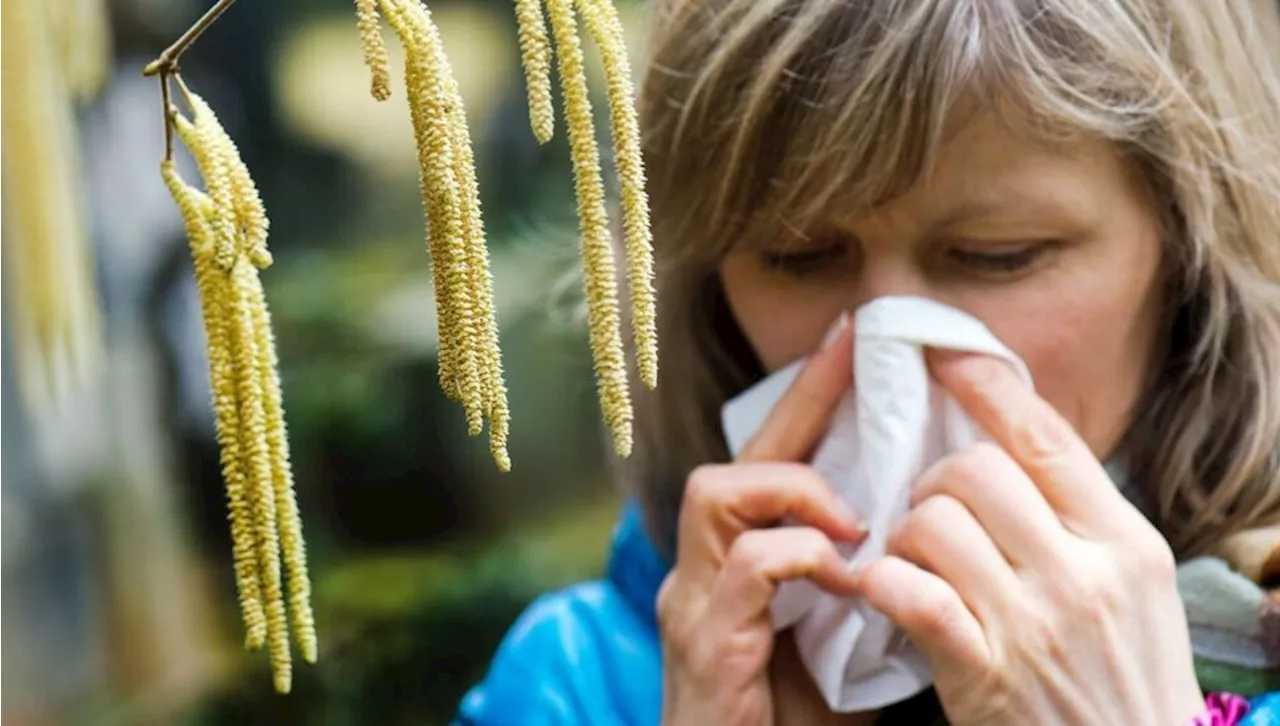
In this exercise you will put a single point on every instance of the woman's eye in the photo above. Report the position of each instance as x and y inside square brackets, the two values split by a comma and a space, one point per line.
[1005, 261]
[800, 263]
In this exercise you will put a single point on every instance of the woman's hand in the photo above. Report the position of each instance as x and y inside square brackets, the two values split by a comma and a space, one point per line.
[713, 608]
[1038, 592]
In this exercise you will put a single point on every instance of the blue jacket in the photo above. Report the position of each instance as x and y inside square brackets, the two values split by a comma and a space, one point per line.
[590, 654]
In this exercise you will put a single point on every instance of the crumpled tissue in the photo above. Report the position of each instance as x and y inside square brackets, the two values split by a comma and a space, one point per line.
[893, 423]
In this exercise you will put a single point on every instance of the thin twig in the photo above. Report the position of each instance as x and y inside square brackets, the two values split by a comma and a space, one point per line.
[168, 60]
[168, 122]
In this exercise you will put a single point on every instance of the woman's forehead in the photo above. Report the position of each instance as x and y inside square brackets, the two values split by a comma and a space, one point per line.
[990, 171]
[987, 175]
[779, 129]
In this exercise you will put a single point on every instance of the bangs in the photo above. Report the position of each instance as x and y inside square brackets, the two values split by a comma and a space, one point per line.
[798, 112]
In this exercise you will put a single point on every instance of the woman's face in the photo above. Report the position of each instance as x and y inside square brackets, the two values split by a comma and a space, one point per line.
[1057, 252]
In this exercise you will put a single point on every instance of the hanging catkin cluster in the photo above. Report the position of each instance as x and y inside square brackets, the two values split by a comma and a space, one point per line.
[227, 229]
[470, 362]
[54, 54]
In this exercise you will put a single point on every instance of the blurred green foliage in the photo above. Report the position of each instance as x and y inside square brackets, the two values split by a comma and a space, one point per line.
[406, 635]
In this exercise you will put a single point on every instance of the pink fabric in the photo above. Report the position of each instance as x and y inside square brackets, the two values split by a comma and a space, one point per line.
[1221, 709]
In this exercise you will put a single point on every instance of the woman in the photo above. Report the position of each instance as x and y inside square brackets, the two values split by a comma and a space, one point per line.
[1097, 181]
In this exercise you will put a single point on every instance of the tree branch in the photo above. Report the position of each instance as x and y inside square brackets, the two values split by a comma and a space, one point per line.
[168, 60]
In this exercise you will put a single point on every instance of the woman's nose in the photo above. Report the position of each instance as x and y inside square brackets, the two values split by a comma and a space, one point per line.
[889, 275]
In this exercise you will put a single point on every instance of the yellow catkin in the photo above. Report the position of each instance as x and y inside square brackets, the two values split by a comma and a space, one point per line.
[535, 56]
[85, 40]
[603, 316]
[256, 453]
[460, 277]
[470, 359]
[290, 522]
[48, 251]
[251, 216]
[247, 396]
[202, 141]
[428, 102]
[606, 30]
[471, 226]
[213, 285]
[375, 53]
[60, 24]
[446, 339]
[493, 387]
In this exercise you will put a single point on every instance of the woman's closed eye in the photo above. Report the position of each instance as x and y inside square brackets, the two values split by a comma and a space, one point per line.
[802, 262]
[1005, 260]
[976, 259]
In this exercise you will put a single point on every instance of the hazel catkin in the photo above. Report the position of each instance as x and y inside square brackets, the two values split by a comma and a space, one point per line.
[53, 55]
[469, 358]
[535, 57]
[227, 232]
[211, 284]
[605, 28]
[599, 278]
[375, 53]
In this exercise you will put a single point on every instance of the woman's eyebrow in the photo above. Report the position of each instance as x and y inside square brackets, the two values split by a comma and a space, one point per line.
[1023, 205]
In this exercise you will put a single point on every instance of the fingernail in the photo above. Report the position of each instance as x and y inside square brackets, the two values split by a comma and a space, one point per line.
[837, 328]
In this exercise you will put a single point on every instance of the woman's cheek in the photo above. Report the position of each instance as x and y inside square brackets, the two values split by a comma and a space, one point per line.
[1084, 372]
[781, 333]
[782, 322]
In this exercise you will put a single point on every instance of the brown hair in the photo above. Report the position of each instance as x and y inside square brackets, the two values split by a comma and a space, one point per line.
[764, 113]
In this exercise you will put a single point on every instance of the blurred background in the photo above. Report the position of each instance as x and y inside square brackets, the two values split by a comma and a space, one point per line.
[119, 603]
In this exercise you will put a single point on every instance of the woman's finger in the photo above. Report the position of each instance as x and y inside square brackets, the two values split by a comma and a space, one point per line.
[943, 537]
[1041, 442]
[1004, 500]
[797, 422]
[723, 501]
[928, 609]
[762, 559]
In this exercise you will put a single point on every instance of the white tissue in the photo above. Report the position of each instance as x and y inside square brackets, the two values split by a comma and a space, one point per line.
[886, 431]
